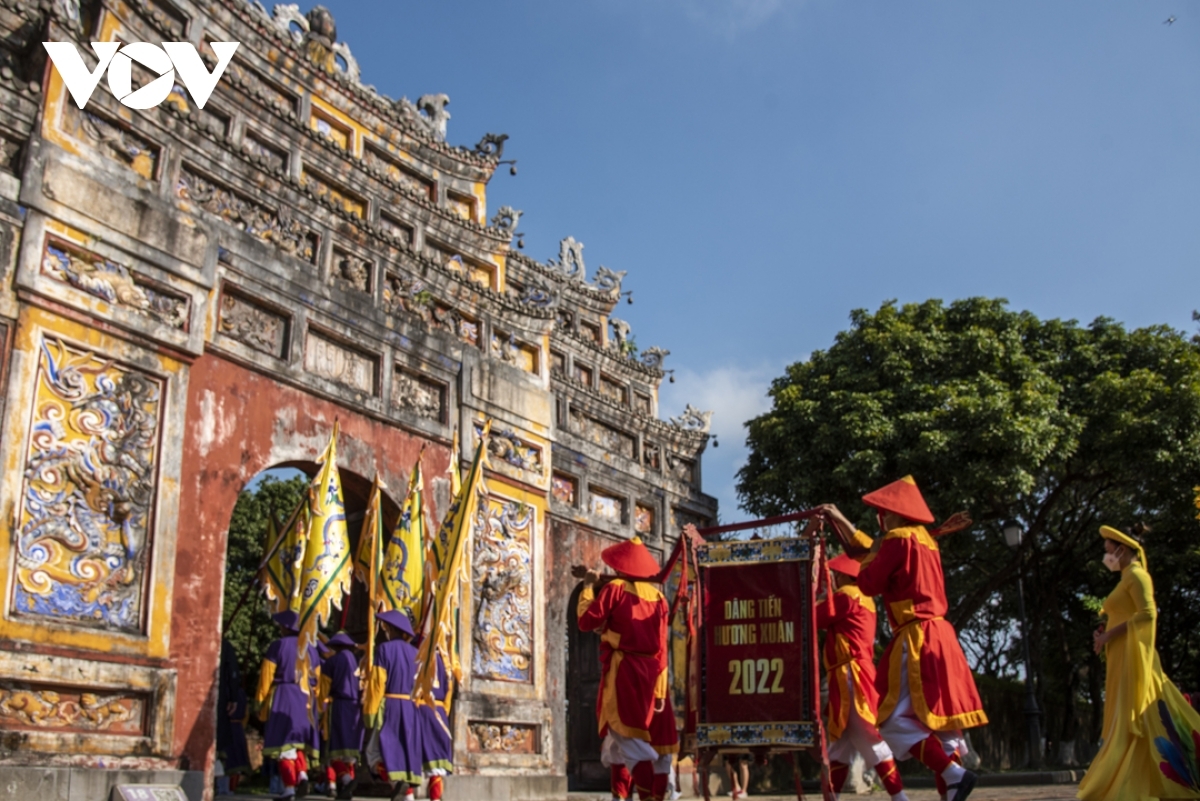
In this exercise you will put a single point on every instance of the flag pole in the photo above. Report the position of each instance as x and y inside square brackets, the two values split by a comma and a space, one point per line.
[263, 566]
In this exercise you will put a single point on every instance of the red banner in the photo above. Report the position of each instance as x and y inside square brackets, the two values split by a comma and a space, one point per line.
[754, 661]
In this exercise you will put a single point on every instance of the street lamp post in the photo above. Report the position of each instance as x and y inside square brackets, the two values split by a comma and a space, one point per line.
[1013, 534]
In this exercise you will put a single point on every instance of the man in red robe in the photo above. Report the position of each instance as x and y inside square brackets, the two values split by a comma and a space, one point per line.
[632, 708]
[850, 668]
[928, 692]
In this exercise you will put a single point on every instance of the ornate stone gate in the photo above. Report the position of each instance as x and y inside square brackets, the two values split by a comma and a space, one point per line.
[191, 295]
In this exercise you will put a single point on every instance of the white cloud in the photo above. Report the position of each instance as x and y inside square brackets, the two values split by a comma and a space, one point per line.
[732, 17]
[734, 394]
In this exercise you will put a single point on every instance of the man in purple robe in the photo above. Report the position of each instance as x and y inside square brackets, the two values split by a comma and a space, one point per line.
[284, 704]
[437, 749]
[394, 748]
[341, 718]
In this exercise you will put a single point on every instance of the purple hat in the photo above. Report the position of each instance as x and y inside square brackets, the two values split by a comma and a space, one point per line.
[398, 619]
[341, 640]
[287, 619]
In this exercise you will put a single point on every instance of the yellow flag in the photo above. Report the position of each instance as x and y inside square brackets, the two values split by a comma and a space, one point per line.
[281, 576]
[325, 576]
[368, 562]
[451, 540]
[403, 581]
[456, 471]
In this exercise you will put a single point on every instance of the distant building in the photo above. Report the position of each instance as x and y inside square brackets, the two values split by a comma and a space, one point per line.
[191, 296]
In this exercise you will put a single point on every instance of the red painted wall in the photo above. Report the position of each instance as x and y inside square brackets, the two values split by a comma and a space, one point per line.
[239, 423]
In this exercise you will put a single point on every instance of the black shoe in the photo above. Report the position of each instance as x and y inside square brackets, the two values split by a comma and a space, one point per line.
[346, 791]
[960, 791]
[303, 788]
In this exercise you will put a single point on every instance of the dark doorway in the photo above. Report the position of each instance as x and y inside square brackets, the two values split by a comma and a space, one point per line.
[584, 771]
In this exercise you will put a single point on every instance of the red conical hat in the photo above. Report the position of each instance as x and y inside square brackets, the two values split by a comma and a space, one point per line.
[631, 558]
[903, 498]
[844, 564]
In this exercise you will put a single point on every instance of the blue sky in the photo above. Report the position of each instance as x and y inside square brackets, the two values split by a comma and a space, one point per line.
[762, 167]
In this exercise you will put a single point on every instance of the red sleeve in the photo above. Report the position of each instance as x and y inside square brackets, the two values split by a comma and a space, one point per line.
[597, 612]
[873, 578]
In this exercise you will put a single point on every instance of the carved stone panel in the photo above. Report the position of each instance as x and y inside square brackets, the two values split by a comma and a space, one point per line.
[607, 437]
[680, 468]
[281, 230]
[643, 519]
[253, 325]
[563, 488]
[394, 227]
[506, 446]
[86, 509]
[331, 191]
[271, 157]
[35, 707]
[336, 362]
[651, 456]
[613, 390]
[111, 139]
[418, 395]
[502, 579]
[606, 507]
[114, 283]
[506, 738]
[351, 272]
[386, 165]
[461, 205]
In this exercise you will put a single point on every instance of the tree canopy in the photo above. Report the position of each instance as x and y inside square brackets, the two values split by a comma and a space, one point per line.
[252, 631]
[1059, 426]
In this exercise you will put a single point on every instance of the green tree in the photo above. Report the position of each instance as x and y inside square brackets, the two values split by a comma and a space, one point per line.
[1060, 426]
[253, 630]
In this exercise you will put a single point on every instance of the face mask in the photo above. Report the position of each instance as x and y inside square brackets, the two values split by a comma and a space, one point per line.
[1112, 562]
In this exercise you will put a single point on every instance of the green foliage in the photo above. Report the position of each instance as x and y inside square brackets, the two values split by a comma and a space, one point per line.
[253, 630]
[1059, 426]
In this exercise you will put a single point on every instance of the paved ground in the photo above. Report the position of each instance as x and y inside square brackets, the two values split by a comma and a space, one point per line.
[1060, 792]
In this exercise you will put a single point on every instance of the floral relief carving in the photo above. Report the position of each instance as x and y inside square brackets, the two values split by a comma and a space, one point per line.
[351, 272]
[288, 234]
[90, 479]
[503, 592]
[113, 283]
[252, 325]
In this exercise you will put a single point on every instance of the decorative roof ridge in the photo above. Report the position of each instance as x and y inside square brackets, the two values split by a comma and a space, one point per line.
[652, 422]
[626, 361]
[265, 23]
[497, 234]
[366, 227]
[602, 295]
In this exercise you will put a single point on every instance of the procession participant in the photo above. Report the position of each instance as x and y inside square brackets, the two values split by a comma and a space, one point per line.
[341, 713]
[286, 708]
[394, 748]
[1150, 731]
[928, 692]
[631, 615]
[437, 748]
[850, 669]
[231, 721]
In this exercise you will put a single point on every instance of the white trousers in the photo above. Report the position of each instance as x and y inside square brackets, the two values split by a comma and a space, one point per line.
[859, 737]
[903, 729]
[618, 749]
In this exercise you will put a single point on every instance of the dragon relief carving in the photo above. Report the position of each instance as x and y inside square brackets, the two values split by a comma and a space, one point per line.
[507, 218]
[113, 283]
[692, 419]
[491, 146]
[503, 588]
[653, 357]
[570, 264]
[83, 524]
